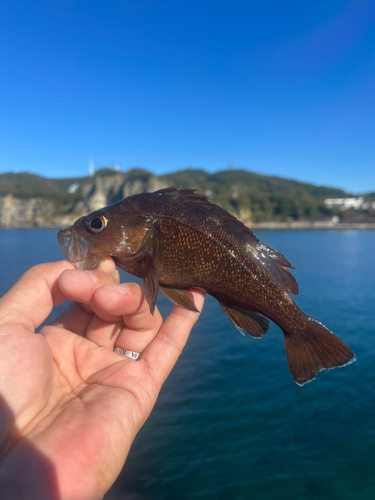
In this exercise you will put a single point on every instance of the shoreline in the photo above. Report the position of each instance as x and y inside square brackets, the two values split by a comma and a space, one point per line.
[265, 225]
[313, 225]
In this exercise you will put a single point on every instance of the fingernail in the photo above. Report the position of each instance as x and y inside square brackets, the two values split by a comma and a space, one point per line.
[87, 278]
[120, 289]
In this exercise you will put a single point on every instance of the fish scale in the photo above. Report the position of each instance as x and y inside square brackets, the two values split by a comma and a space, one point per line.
[175, 239]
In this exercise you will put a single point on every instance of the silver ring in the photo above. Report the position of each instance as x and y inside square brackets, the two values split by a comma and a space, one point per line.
[128, 354]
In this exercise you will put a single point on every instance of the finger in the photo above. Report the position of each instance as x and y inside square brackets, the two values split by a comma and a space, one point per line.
[80, 286]
[162, 353]
[138, 325]
[107, 265]
[31, 299]
[128, 301]
[74, 318]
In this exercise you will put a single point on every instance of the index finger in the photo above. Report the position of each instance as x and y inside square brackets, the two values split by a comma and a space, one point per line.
[161, 354]
[31, 299]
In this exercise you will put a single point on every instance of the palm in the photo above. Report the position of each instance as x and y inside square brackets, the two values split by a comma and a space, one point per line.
[90, 397]
[82, 404]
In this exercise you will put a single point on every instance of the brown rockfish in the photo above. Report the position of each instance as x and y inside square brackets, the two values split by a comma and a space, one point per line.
[175, 239]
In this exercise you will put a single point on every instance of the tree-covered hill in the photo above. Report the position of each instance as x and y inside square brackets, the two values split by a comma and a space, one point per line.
[252, 197]
[268, 198]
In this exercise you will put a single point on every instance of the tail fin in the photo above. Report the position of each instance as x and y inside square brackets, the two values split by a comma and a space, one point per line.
[313, 350]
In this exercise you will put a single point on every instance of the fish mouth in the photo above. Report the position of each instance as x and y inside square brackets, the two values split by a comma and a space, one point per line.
[76, 249]
[74, 246]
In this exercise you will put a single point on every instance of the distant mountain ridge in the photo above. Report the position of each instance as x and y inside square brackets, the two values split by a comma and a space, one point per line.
[28, 200]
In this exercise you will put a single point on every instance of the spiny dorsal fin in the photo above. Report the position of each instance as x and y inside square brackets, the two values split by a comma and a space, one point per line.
[189, 197]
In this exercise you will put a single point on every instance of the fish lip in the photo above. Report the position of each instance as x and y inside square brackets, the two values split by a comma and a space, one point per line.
[74, 246]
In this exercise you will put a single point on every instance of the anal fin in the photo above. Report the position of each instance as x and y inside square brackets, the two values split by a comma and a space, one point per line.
[179, 296]
[250, 322]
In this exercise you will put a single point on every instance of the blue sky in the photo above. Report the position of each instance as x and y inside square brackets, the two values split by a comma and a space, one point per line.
[282, 88]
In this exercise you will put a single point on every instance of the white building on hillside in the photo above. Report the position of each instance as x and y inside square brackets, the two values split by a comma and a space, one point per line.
[345, 203]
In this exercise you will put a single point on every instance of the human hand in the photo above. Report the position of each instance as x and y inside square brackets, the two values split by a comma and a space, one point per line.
[70, 407]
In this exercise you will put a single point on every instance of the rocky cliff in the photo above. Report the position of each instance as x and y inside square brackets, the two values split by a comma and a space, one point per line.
[28, 200]
[81, 196]
[16, 212]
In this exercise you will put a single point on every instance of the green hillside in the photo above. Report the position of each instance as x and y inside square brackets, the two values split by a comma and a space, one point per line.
[254, 197]
[268, 198]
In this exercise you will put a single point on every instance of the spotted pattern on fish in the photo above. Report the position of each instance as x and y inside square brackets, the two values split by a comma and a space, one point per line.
[174, 239]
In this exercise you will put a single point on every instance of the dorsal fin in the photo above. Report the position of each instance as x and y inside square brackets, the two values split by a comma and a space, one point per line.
[189, 197]
[270, 257]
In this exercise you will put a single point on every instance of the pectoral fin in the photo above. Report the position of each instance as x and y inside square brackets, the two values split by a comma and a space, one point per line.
[150, 282]
[250, 322]
[183, 298]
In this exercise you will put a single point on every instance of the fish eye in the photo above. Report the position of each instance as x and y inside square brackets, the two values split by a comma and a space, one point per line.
[97, 223]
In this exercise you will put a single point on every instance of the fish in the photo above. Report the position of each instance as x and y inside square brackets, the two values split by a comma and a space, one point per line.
[176, 240]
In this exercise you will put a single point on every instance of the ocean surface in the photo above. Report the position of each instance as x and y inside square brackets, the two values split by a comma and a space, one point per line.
[230, 423]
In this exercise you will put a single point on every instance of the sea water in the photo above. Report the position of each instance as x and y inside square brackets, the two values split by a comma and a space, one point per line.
[230, 423]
